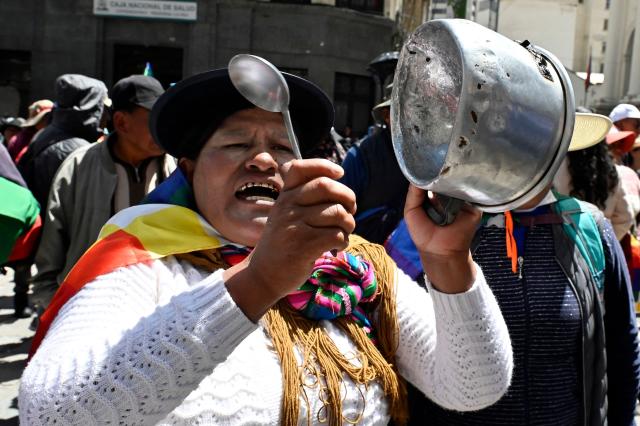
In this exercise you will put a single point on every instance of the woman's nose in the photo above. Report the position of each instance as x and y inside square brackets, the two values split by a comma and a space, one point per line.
[263, 161]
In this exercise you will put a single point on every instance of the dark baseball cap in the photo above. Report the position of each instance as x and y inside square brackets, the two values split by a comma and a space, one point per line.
[140, 90]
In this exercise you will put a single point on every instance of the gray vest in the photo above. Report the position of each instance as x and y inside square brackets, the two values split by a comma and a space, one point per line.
[594, 362]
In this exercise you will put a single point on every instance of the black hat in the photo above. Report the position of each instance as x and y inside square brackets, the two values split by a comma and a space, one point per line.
[7, 122]
[140, 90]
[191, 110]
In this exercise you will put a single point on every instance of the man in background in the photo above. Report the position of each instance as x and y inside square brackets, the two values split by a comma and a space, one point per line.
[74, 123]
[98, 181]
[373, 174]
[39, 117]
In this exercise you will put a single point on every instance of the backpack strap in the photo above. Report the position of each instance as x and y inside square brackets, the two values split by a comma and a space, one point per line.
[580, 225]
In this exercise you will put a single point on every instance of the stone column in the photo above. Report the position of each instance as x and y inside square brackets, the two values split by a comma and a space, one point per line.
[613, 55]
[634, 75]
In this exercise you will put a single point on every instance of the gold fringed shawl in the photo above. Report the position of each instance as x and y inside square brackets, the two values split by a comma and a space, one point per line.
[288, 329]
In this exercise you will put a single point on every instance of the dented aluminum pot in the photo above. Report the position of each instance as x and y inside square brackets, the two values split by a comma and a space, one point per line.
[478, 117]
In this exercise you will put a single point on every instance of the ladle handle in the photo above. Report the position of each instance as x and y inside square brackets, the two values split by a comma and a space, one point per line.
[292, 136]
[449, 208]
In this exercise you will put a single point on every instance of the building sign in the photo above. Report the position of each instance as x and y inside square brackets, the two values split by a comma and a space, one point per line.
[150, 9]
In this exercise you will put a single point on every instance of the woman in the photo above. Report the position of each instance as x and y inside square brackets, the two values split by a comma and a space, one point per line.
[620, 143]
[589, 173]
[202, 319]
[559, 275]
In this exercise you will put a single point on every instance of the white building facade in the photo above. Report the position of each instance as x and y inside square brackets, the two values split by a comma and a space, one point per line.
[622, 58]
[577, 32]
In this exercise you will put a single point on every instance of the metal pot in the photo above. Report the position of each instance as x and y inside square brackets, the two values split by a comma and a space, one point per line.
[478, 117]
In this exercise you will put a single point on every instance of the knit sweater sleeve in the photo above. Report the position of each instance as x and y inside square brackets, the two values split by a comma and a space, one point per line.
[455, 348]
[121, 353]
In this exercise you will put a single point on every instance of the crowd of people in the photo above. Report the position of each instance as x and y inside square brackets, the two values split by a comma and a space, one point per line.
[188, 269]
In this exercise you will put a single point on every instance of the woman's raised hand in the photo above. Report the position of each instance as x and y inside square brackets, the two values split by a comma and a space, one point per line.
[312, 215]
[444, 250]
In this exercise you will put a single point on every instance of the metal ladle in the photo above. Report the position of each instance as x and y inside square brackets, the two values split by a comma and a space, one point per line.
[263, 85]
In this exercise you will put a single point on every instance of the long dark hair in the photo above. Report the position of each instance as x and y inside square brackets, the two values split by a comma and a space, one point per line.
[593, 174]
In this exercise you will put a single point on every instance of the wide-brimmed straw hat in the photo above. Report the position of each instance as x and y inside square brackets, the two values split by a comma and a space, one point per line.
[588, 130]
[192, 109]
[626, 139]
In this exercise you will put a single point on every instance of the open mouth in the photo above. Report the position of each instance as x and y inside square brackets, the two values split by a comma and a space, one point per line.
[254, 191]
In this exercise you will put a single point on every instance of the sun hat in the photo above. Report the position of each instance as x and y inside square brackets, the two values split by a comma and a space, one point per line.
[626, 138]
[37, 111]
[622, 111]
[588, 130]
[192, 109]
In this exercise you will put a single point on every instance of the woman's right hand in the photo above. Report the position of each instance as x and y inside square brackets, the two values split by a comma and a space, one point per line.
[312, 215]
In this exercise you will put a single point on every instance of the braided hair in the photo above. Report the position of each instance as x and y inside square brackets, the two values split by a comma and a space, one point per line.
[593, 174]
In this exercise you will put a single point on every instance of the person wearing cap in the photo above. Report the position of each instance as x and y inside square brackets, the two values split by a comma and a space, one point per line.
[590, 174]
[39, 117]
[373, 174]
[562, 283]
[75, 123]
[237, 295]
[620, 143]
[9, 127]
[626, 117]
[98, 181]
[39, 114]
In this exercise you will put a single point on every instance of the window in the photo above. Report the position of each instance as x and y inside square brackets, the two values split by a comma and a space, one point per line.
[607, 4]
[371, 6]
[604, 46]
[166, 62]
[602, 68]
[15, 71]
[353, 101]
[606, 24]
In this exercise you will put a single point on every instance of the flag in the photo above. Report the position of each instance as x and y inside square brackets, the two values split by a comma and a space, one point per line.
[147, 70]
[19, 221]
[587, 80]
[138, 234]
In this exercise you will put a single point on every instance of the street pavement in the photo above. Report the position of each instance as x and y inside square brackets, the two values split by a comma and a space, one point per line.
[15, 339]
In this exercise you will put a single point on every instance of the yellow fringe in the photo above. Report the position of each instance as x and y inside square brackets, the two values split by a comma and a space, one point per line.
[321, 359]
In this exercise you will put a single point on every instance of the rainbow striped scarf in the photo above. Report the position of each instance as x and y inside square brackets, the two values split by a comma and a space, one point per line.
[168, 224]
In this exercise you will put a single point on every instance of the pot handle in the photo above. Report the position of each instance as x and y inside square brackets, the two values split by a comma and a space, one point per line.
[450, 207]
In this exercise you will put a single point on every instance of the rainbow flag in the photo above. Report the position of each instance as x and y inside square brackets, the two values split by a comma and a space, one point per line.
[138, 234]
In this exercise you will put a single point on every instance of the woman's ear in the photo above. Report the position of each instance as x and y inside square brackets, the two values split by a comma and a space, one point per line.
[187, 166]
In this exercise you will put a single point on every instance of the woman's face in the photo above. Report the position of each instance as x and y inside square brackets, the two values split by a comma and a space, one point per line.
[617, 151]
[236, 177]
[628, 124]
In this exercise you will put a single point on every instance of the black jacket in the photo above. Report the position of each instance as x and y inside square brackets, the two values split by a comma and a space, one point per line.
[75, 122]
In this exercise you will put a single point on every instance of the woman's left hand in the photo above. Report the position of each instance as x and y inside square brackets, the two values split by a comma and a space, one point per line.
[444, 250]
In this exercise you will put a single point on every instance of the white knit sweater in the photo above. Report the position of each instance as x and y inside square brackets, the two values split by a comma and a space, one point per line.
[164, 343]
